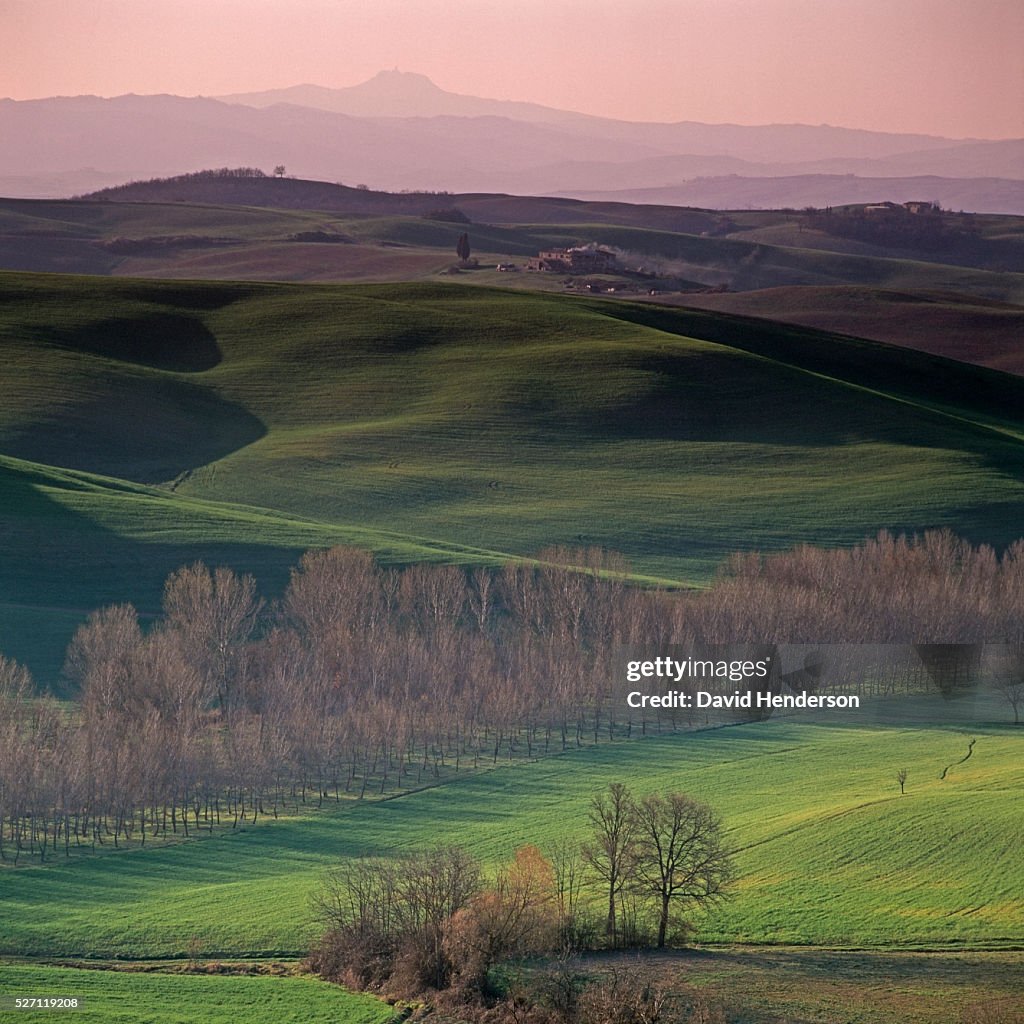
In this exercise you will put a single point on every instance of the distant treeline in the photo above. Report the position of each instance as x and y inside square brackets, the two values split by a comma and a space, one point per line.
[896, 226]
[363, 676]
[251, 185]
[211, 174]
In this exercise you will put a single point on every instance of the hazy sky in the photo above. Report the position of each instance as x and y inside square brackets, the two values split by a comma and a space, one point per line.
[949, 67]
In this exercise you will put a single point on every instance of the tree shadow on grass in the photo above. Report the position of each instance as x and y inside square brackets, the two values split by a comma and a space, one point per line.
[58, 564]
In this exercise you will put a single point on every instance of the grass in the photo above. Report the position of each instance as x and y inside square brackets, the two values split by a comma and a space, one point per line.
[146, 424]
[768, 986]
[116, 997]
[754, 987]
[829, 852]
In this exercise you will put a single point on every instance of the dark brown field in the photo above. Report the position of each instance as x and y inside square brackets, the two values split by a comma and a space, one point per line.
[973, 329]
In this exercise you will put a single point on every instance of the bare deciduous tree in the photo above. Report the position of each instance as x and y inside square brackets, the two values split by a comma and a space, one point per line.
[1009, 679]
[681, 859]
[215, 613]
[612, 850]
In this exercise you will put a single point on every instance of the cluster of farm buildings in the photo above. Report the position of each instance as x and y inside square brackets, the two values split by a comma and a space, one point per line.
[917, 207]
[580, 259]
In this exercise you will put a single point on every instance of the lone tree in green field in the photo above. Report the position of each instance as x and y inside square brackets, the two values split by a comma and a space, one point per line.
[462, 247]
[681, 857]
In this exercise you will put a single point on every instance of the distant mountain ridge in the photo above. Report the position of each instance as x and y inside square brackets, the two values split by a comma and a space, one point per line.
[399, 94]
[991, 195]
[400, 131]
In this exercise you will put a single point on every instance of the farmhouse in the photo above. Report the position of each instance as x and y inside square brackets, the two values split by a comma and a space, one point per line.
[580, 259]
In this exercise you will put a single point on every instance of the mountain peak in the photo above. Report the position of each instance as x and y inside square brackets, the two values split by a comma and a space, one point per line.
[395, 93]
[395, 83]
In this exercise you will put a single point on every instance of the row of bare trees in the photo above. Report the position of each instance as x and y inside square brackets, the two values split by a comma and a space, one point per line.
[365, 679]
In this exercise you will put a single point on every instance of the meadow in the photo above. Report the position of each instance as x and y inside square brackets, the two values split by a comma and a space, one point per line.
[114, 997]
[829, 852]
[849, 893]
[148, 424]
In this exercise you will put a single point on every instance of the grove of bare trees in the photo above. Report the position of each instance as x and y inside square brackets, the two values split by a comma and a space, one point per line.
[365, 679]
[431, 922]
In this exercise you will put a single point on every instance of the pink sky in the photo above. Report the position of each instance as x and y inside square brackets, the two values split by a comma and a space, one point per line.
[947, 67]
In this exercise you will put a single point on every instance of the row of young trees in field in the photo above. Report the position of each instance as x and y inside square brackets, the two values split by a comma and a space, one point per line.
[430, 921]
[362, 678]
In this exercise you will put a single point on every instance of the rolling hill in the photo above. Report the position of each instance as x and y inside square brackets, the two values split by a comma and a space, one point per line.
[761, 191]
[225, 226]
[147, 424]
[959, 296]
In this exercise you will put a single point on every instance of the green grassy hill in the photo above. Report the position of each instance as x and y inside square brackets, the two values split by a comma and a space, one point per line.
[822, 835]
[146, 424]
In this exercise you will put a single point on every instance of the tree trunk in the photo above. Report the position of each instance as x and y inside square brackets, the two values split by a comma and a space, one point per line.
[663, 922]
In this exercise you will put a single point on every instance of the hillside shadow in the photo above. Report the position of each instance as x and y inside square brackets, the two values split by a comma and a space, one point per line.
[205, 295]
[54, 559]
[149, 430]
[892, 370]
[159, 340]
[870, 391]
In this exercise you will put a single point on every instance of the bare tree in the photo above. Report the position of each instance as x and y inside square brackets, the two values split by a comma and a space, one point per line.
[511, 918]
[480, 597]
[99, 659]
[901, 778]
[1009, 679]
[388, 918]
[215, 614]
[612, 851]
[568, 866]
[681, 856]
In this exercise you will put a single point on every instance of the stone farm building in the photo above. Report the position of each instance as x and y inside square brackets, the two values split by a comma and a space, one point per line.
[580, 259]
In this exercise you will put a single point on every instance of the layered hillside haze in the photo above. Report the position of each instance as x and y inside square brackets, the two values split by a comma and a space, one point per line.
[400, 131]
[148, 424]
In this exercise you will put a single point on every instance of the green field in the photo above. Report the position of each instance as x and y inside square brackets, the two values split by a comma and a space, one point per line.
[147, 424]
[113, 997]
[829, 852]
